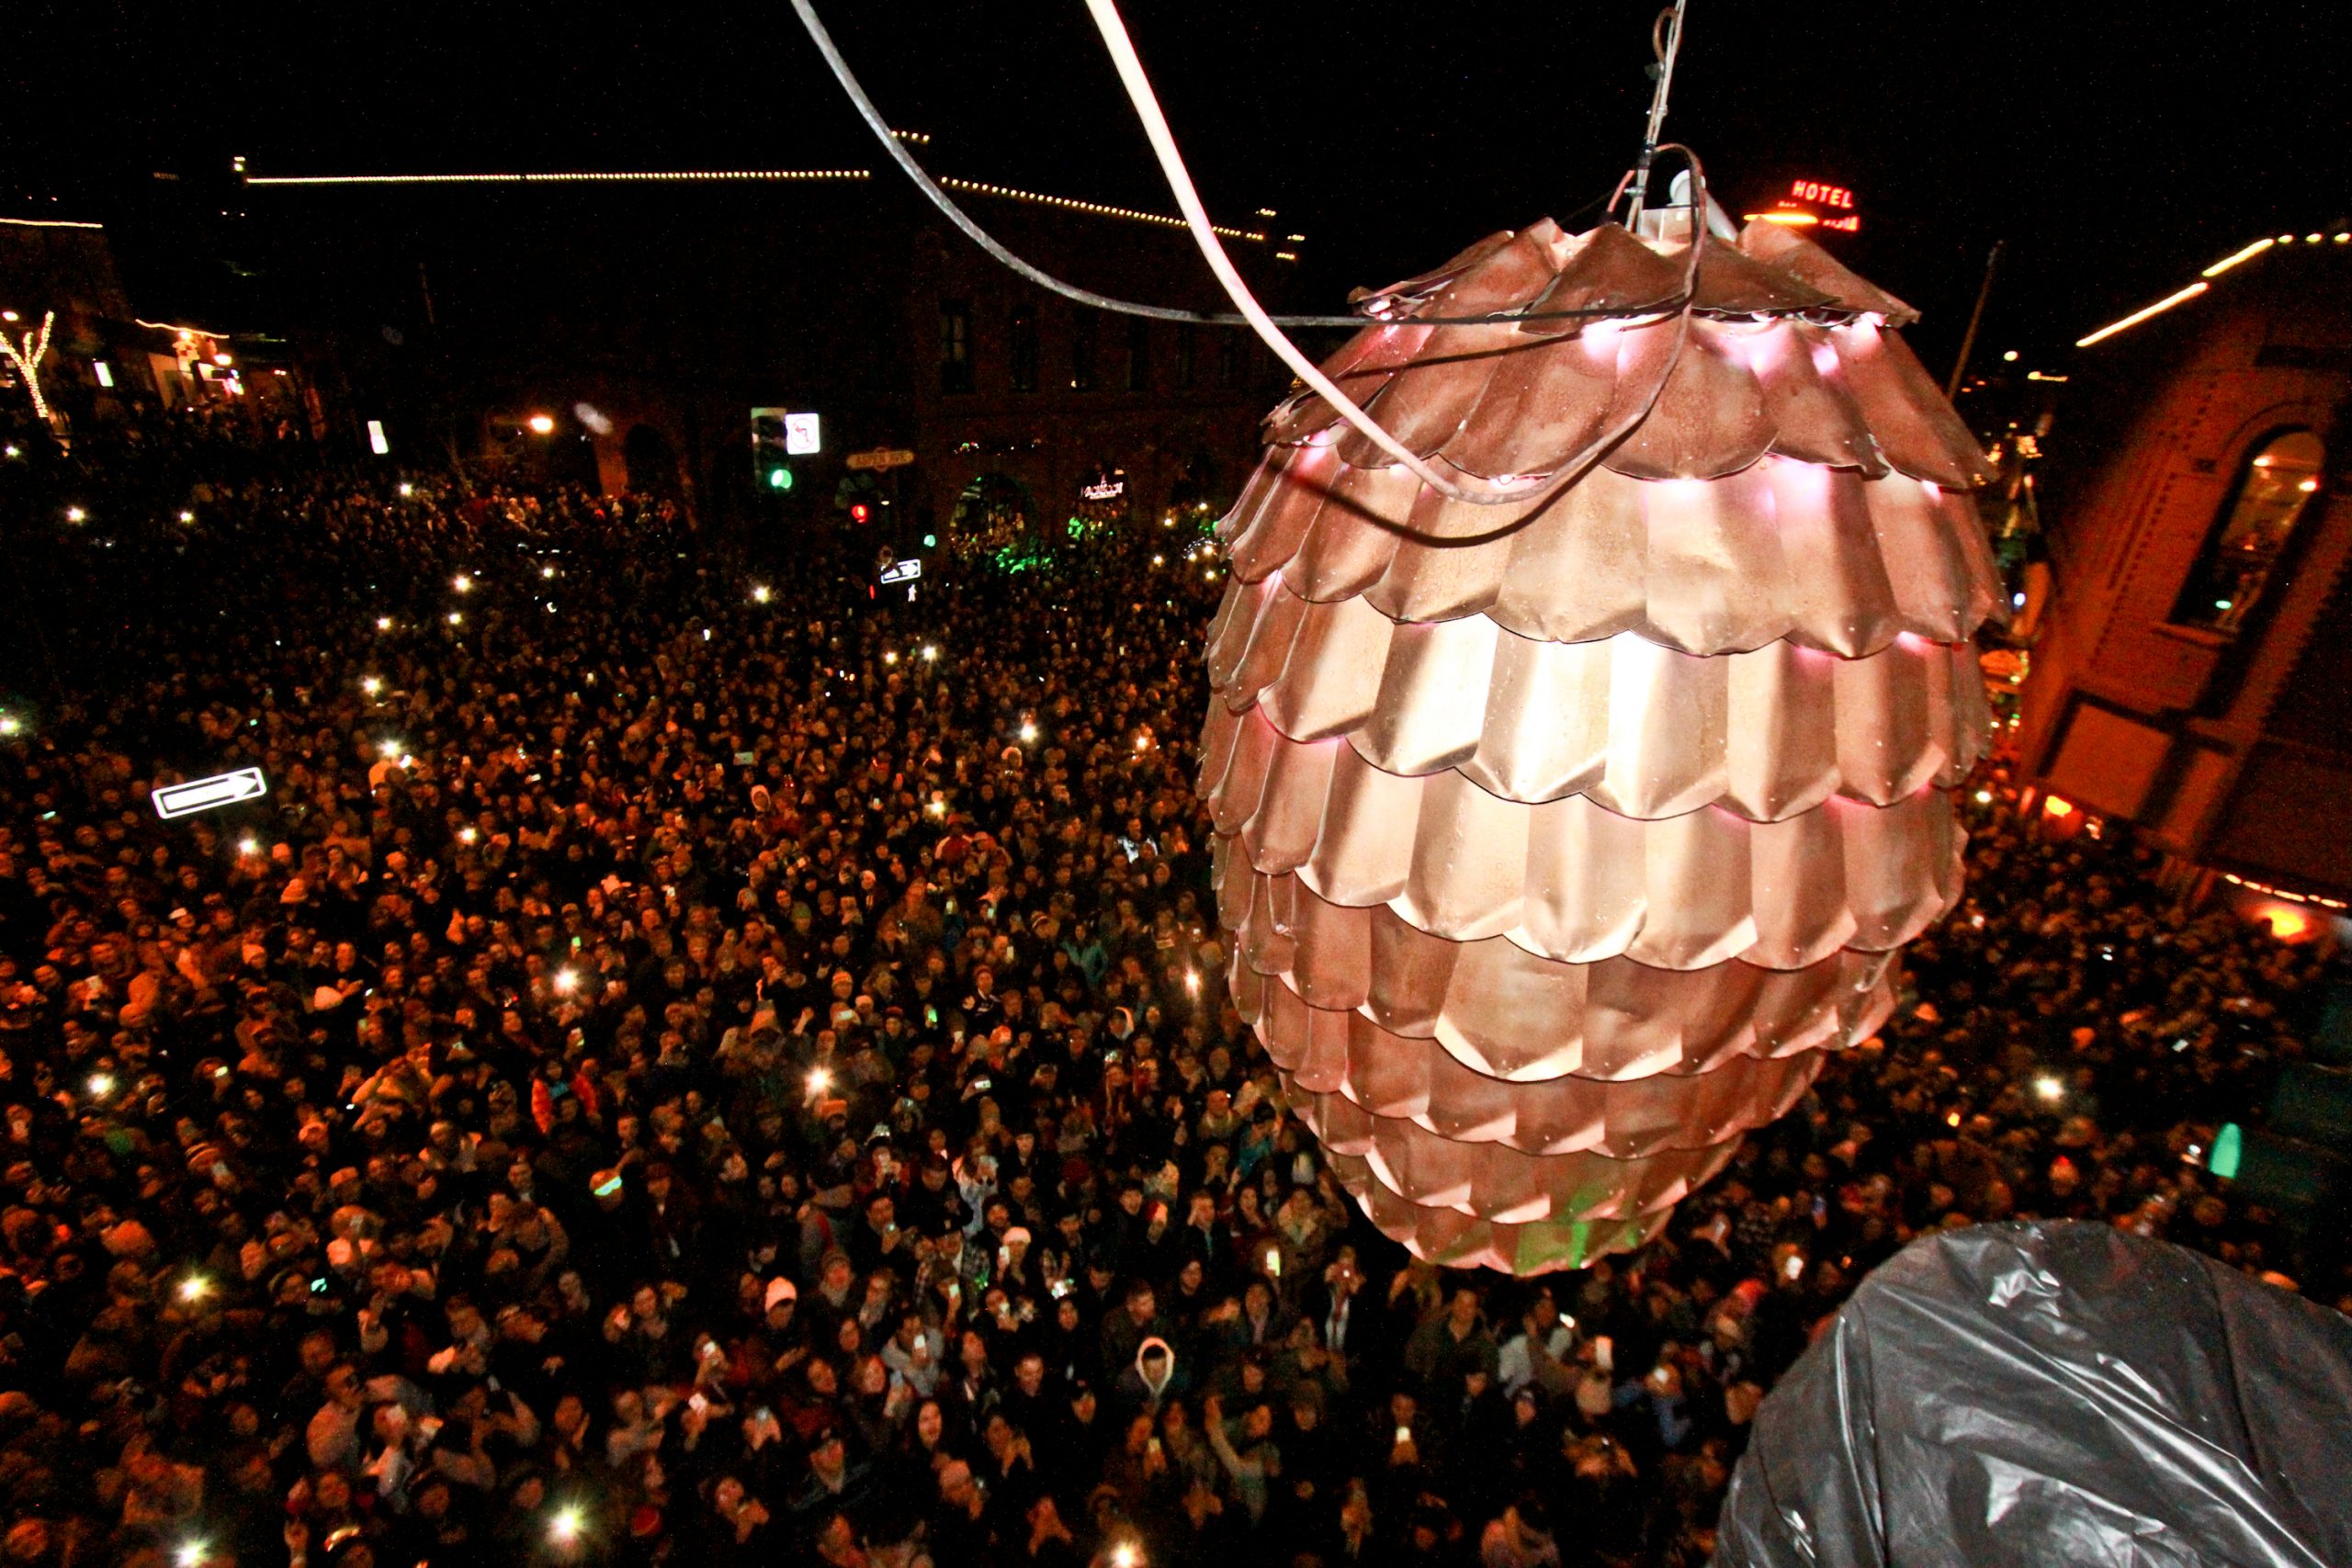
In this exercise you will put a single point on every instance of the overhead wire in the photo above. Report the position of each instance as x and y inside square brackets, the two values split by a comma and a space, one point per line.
[914, 171]
[1108, 22]
[1666, 42]
[1532, 499]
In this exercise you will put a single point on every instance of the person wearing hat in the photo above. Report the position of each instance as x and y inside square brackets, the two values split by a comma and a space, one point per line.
[835, 1484]
[835, 1297]
[1016, 1270]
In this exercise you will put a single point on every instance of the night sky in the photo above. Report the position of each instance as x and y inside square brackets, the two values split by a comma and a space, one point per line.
[2117, 147]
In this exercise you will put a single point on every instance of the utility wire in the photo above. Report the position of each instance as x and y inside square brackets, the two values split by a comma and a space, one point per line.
[1532, 499]
[1087, 296]
[1666, 42]
[1113, 29]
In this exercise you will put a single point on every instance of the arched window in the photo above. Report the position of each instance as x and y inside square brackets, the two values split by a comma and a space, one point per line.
[2245, 546]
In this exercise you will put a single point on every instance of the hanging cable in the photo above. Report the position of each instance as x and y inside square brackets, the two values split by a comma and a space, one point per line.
[1087, 296]
[1666, 42]
[1530, 498]
[1187, 200]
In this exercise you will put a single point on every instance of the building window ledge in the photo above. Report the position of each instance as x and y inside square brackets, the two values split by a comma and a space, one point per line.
[2196, 636]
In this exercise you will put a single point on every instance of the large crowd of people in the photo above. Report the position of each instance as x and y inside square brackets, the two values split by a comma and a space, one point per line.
[692, 1063]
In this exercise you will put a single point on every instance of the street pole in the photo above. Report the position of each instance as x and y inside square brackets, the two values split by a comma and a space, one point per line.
[1975, 319]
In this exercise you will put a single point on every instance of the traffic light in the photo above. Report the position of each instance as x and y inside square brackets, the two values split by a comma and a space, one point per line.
[771, 455]
[860, 513]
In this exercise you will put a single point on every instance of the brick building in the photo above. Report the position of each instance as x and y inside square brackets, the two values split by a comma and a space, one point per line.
[646, 319]
[2194, 671]
[103, 361]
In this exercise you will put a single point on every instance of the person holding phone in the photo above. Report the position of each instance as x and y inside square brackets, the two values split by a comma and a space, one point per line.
[1658, 1395]
[1539, 1354]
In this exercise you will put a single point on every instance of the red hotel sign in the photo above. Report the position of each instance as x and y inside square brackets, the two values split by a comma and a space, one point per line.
[1822, 195]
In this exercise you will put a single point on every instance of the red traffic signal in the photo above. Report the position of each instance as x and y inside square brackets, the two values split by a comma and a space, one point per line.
[860, 513]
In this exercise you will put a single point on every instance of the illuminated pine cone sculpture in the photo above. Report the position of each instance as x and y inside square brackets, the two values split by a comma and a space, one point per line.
[1560, 844]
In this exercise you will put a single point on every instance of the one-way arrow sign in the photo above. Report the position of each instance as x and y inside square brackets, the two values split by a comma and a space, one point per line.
[203, 794]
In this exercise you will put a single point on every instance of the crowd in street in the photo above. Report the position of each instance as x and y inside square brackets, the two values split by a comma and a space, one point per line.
[694, 1063]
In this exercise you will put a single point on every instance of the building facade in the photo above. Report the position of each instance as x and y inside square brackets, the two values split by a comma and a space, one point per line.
[104, 363]
[2194, 671]
[622, 334]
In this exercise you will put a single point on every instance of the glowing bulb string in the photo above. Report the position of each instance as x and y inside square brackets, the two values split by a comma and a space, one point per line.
[28, 360]
[1532, 498]
[1171, 163]
[971, 231]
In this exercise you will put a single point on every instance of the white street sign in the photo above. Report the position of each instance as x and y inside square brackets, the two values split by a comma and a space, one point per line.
[800, 434]
[203, 794]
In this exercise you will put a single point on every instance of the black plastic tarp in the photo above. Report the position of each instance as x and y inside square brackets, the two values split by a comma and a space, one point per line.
[2055, 1393]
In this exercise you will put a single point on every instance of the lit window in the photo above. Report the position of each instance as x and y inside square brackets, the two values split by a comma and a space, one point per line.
[2247, 543]
[954, 346]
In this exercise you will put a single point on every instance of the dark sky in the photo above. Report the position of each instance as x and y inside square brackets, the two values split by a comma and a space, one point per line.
[2117, 147]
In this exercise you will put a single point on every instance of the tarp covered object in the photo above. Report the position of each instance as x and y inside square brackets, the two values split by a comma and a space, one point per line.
[2055, 1393]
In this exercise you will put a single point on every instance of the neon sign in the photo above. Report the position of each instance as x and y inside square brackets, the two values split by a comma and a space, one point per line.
[1822, 195]
[1812, 204]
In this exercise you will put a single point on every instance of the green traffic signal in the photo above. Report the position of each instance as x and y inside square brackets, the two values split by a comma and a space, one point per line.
[779, 479]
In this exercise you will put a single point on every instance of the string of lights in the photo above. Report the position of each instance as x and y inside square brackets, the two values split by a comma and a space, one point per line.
[2289, 894]
[989, 243]
[583, 176]
[980, 188]
[2182, 297]
[2136, 317]
[2235, 258]
[27, 357]
[918, 139]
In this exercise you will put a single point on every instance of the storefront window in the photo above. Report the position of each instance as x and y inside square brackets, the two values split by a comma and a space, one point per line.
[2272, 490]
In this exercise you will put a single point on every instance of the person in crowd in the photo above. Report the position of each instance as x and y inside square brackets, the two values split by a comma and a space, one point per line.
[689, 1061]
